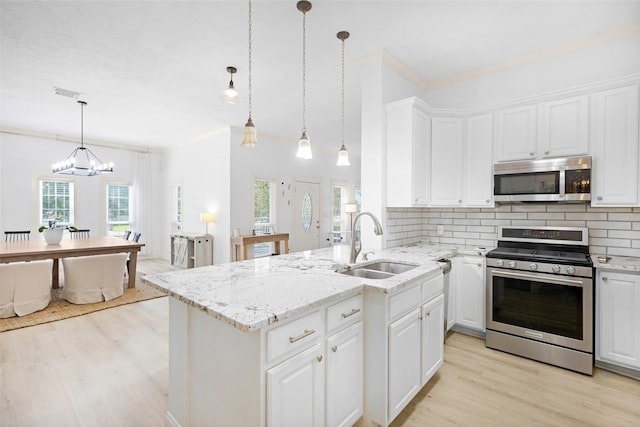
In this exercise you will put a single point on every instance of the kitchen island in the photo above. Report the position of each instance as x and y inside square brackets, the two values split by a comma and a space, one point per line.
[248, 339]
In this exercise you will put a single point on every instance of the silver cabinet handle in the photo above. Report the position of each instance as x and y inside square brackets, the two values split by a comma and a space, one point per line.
[546, 151]
[531, 153]
[353, 311]
[334, 348]
[605, 278]
[428, 313]
[306, 333]
[319, 358]
[599, 197]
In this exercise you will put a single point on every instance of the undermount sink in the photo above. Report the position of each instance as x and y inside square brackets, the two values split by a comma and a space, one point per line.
[378, 270]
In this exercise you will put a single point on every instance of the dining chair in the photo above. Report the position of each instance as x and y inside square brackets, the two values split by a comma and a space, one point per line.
[126, 235]
[14, 236]
[136, 237]
[25, 287]
[79, 233]
[95, 278]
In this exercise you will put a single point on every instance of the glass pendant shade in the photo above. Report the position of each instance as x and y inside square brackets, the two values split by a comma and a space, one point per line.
[230, 94]
[304, 147]
[343, 157]
[250, 138]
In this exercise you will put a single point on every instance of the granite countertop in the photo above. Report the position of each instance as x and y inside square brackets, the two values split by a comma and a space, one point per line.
[617, 263]
[250, 295]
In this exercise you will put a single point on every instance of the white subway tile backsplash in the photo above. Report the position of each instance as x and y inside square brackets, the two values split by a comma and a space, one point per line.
[613, 231]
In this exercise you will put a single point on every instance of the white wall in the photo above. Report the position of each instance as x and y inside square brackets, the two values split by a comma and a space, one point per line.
[26, 159]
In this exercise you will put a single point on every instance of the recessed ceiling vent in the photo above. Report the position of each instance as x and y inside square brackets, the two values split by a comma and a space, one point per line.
[66, 92]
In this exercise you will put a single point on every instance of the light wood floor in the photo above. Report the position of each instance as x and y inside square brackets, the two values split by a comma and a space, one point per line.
[110, 368]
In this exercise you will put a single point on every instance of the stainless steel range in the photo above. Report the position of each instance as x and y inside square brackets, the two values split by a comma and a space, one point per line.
[540, 295]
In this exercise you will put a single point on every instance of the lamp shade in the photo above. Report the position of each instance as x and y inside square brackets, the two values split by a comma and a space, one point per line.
[304, 147]
[250, 138]
[343, 157]
[350, 207]
[207, 217]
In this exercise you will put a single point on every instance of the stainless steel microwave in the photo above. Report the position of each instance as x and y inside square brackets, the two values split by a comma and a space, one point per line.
[566, 179]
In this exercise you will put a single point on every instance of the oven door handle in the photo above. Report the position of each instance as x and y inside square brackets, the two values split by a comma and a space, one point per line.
[546, 279]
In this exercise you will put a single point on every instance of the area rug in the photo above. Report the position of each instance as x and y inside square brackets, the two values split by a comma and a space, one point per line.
[59, 308]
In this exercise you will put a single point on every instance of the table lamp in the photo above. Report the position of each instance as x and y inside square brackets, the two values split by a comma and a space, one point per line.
[207, 218]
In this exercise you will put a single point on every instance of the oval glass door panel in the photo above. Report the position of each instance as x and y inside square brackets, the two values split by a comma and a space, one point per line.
[307, 211]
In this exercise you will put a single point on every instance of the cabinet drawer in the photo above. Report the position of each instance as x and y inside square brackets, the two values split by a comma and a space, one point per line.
[294, 335]
[404, 301]
[432, 287]
[344, 313]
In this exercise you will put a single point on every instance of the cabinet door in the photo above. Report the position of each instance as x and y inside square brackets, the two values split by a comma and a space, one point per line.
[407, 140]
[470, 292]
[432, 337]
[615, 147]
[181, 252]
[478, 169]
[344, 392]
[404, 361]
[516, 134]
[295, 390]
[203, 251]
[446, 161]
[618, 319]
[564, 127]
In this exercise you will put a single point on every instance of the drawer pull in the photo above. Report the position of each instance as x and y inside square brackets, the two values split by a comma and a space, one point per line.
[319, 358]
[334, 348]
[306, 333]
[353, 311]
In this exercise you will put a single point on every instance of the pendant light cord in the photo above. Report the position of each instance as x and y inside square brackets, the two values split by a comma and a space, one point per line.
[82, 104]
[304, 71]
[250, 12]
[342, 131]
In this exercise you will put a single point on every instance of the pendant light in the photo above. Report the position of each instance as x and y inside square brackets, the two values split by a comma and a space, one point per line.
[304, 145]
[230, 94]
[82, 161]
[250, 135]
[343, 154]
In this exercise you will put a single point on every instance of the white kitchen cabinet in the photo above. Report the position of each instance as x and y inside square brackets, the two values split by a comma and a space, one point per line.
[408, 137]
[397, 339]
[446, 161]
[516, 134]
[618, 320]
[564, 127]
[614, 133]
[295, 390]
[477, 172]
[344, 374]
[189, 250]
[432, 333]
[469, 276]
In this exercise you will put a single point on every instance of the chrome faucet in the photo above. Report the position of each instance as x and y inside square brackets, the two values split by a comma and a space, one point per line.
[356, 244]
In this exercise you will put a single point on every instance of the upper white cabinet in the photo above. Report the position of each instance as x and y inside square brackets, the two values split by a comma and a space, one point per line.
[564, 127]
[446, 161]
[615, 147]
[516, 134]
[555, 128]
[478, 162]
[407, 140]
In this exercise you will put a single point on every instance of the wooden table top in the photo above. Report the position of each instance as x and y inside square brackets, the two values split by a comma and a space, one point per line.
[38, 249]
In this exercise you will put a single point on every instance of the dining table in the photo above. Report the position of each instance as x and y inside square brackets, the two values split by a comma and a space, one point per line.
[31, 250]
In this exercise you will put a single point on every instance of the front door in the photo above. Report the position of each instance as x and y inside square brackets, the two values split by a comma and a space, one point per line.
[305, 217]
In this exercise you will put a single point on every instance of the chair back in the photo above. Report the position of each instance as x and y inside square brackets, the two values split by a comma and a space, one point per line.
[136, 237]
[14, 236]
[79, 234]
[126, 235]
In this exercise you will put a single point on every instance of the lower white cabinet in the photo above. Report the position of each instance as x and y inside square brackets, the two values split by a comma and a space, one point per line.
[344, 376]
[468, 272]
[618, 319]
[404, 345]
[295, 390]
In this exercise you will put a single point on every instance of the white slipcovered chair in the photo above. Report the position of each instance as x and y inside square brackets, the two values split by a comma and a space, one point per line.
[95, 278]
[25, 287]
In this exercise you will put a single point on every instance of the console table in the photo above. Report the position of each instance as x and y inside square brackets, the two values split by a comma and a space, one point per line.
[239, 245]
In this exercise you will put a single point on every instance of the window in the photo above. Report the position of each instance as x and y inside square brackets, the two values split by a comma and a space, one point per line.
[263, 214]
[56, 203]
[118, 208]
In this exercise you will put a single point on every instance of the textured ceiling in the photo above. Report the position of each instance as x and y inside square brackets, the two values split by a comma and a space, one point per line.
[152, 71]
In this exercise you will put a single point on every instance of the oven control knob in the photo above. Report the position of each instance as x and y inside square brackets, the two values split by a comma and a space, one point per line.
[571, 270]
[500, 263]
[555, 269]
[512, 264]
[533, 266]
